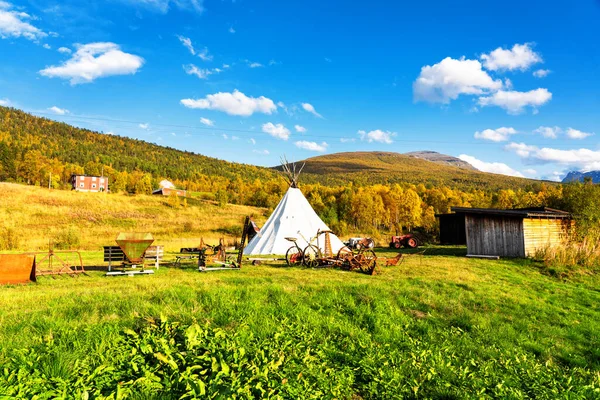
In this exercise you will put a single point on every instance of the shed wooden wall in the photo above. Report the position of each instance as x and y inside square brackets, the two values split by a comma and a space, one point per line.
[452, 229]
[491, 235]
[539, 233]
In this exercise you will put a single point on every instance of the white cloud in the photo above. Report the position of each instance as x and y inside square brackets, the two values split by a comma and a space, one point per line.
[520, 57]
[187, 42]
[253, 64]
[207, 122]
[252, 141]
[235, 138]
[163, 6]
[577, 134]
[5, 102]
[59, 111]
[14, 24]
[541, 73]
[288, 110]
[109, 133]
[309, 108]
[522, 149]
[347, 140]
[550, 132]
[46, 46]
[556, 176]
[530, 172]
[64, 50]
[496, 135]
[204, 55]
[236, 103]
[276, 130]
[95, 60]
[299, 128]
[173, 134]
[494, 167]
[225, 136]
[514, 102]
[231, 30]
[377, 136]
[585, 159]
[201, 73]
[144, 126]
[450, 78]
[263, 152]
[312, 146]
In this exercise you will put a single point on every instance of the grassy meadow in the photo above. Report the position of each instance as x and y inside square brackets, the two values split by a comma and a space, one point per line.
[33, 216]
[438, 326]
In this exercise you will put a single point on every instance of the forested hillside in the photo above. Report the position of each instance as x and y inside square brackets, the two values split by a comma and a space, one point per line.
[388, 168]
[366, 192]
[32, 148]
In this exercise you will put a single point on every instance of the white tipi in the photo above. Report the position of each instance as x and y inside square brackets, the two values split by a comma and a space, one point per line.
[293, 217]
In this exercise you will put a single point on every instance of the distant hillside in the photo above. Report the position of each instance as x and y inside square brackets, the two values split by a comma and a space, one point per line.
[575, 176]
[386, 167]
[32, 147]
[439, 158]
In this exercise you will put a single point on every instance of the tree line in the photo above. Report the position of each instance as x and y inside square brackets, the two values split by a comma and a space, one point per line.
[38, 151]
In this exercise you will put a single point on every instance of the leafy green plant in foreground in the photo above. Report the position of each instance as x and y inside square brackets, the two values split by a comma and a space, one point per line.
[162, 359]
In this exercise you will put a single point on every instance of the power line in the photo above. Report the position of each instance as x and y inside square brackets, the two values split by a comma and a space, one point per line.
[247, 132]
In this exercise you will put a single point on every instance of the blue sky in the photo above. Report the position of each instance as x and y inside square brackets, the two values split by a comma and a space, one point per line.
[512, 87]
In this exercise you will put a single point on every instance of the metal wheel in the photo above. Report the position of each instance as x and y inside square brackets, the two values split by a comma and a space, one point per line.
[293, 256]
[310, 256]
[397, 245]
[343, 256]
[412, 243]
[369, 262]
[344, 252]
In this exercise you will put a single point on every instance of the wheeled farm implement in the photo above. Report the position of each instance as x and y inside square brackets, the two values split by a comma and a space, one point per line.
[361, 260]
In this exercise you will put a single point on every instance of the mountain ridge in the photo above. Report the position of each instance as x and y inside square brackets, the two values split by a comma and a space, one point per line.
[440, 158]
[381, 167]
[577, 176]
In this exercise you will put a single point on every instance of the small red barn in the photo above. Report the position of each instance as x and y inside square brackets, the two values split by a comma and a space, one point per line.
[168, 191]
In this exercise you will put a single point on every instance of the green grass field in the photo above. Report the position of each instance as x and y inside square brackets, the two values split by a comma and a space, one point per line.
[439, 326]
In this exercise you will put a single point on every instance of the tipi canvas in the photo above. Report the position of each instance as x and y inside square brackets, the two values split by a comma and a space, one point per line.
[292, 215]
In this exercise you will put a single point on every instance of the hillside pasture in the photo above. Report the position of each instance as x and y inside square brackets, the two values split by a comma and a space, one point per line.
[34, 217]
[438, 326]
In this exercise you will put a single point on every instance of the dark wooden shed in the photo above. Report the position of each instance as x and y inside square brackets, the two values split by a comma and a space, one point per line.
[452, 229]
[512, 233]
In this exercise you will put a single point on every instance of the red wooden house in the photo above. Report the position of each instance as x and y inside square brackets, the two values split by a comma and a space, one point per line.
[86, 183]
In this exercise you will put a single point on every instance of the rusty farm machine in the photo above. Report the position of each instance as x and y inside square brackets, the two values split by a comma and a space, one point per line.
[314, 255]
[130, 252]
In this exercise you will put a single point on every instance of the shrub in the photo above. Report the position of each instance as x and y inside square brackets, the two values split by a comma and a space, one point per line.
[571, 256]
[188, 226]
[9, 238]
[68, 238]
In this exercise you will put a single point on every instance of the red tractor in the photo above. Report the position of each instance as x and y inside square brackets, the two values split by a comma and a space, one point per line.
[409, 241]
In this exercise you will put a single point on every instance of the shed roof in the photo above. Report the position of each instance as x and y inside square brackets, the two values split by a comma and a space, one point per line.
[532, 212]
